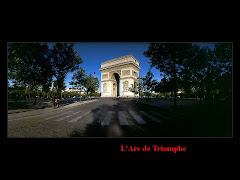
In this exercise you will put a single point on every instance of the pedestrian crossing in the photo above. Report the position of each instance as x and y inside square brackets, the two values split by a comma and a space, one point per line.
[107, 118]
[79, 117]
[124, 118]
[137, 117]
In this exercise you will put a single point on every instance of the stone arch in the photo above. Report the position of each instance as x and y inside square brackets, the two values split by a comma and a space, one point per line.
[125, 68]
[115, 84]
[111, 74]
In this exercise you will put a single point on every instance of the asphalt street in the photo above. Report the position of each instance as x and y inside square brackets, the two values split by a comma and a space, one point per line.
[103, 117]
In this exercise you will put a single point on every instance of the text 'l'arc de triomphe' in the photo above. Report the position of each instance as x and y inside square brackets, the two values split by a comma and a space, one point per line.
[118, 75]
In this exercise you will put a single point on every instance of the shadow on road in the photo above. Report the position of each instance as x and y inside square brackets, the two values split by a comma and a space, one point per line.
[95, 129]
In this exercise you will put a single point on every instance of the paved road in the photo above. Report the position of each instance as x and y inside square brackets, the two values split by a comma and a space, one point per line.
[97, 118]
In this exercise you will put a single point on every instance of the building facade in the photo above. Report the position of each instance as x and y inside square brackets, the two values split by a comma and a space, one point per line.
[78, 90]
[118, 76]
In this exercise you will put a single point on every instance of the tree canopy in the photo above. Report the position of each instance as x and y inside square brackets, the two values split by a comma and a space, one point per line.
[169, 58]
[30, 65]
[187, 66]
[34, 65]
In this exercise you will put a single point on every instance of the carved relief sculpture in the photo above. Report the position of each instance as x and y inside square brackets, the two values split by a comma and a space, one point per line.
[105, 87]
[125, 86]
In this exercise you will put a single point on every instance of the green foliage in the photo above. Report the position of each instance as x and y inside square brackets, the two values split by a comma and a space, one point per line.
[64, 60]
[187, 66]
[33, 65]
[169, 58]
[79, 78]
[29, 64]
[91, 84]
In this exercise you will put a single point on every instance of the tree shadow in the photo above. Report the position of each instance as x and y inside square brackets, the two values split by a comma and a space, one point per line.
[133, 129]
[95, 129]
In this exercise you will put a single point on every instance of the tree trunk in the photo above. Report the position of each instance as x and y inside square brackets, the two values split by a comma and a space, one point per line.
[53, 101]
[35, 100]
[34, 96]
[175, 98]
[57, 97]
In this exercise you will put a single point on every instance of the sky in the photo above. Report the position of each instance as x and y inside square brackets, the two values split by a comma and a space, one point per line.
[93, 54]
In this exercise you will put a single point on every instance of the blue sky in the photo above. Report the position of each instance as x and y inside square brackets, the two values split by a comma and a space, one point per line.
[93, 54]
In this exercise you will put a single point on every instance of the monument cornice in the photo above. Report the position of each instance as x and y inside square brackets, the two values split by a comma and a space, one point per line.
[120, 64]
[128, 77]
[107, 80]
[119, 58]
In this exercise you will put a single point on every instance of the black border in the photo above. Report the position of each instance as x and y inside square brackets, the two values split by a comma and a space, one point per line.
[197, 147]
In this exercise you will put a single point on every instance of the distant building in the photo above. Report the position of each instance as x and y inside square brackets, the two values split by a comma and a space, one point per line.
[78, 90]
[180, 91]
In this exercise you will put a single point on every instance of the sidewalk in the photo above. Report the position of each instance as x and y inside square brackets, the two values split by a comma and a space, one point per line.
[155, 103]
[168, 104]
[20, 113]
[43, 104]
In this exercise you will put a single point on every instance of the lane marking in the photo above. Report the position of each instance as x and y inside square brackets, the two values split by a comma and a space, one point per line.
[107, 118]
[65, 117]
[151, 117]
[137, 118]
[78, 118]
[94, 115]
[122, 118]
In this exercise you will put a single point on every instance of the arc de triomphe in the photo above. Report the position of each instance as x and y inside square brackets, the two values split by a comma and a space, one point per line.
[118, 75]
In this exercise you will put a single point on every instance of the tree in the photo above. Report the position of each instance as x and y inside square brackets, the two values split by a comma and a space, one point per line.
[79, 79]
[64, 60]
[29, 64]
[168, 58]
[200, 66]
[149, 83]
[138, 87]
[166, 86]
[223, 69]
[190, 66]
[91, 83]
[16, 92]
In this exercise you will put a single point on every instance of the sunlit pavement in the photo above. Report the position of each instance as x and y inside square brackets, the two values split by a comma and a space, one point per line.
[103, 117]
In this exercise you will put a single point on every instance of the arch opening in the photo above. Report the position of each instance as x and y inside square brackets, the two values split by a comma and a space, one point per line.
[116, 83]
